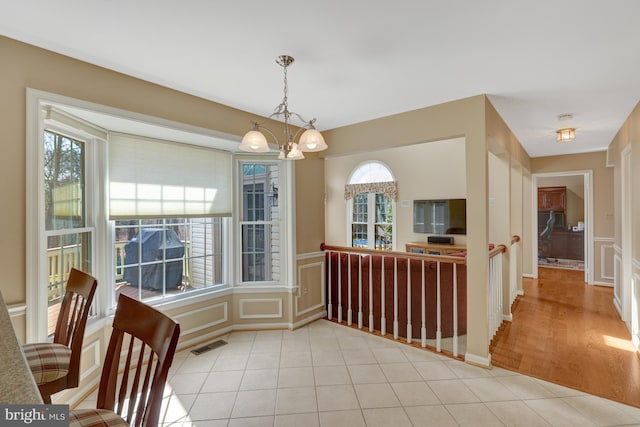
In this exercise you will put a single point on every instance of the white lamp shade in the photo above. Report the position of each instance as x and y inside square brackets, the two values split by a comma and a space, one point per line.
[312, 140]
[295, 153]
[255, 142]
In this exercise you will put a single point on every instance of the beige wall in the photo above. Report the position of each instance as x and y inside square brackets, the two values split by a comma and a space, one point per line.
[423, 171]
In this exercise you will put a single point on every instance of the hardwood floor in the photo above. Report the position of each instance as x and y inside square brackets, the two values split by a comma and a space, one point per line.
[570, 333]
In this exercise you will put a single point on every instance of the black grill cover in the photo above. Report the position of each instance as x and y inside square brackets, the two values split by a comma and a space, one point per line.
[153, 246]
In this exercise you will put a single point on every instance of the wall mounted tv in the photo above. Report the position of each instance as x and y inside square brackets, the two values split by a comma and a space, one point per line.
[442, 216]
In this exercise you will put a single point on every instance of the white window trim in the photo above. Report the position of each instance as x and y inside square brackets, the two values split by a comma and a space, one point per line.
[370, 209]
[371, 204]
[285, 199]
[36, 235]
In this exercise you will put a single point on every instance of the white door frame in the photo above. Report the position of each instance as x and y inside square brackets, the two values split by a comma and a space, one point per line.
[588, 217]
[626, 285]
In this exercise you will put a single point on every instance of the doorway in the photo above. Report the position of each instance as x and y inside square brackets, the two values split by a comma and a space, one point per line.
[562, 220]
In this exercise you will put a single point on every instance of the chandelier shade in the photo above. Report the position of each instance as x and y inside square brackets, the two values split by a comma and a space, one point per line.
[310, 140]
[255, 142]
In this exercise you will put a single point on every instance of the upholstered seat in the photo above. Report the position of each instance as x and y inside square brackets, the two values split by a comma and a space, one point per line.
[48, 361]
[56, 365]
[96, 418]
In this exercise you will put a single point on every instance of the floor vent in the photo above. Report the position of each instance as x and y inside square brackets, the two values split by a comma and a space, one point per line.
[208, 347]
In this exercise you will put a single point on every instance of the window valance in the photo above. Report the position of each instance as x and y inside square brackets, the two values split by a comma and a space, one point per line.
[389, 189]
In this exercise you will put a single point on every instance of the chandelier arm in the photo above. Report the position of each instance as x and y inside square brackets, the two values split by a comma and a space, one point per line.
[259, 126]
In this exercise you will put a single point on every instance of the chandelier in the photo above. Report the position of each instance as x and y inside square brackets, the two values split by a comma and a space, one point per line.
[310, 140]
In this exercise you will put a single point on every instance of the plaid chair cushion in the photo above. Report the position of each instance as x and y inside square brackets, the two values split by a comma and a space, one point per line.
[48, 361]
[94, 418]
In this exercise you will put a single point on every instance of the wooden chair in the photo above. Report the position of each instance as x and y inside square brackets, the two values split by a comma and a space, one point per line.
[143, 342]
[56, 365]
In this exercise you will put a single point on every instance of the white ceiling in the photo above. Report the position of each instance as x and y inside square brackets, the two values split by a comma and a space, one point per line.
[360, 59]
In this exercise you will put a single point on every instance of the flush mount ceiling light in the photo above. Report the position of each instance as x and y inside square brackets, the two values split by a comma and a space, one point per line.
[565, 135]
[311, 140]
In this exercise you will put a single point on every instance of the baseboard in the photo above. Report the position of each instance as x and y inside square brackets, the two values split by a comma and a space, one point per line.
[636, 342]
[203, 338]
[483, 362]
[607, 284]
[528, 276]
[616, 304]
[507, 317]
[307, 320]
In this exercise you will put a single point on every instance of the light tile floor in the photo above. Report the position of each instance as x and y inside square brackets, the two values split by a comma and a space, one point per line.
[329, 375]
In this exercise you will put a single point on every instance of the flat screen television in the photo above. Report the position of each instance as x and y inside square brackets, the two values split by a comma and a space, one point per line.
[442, 216]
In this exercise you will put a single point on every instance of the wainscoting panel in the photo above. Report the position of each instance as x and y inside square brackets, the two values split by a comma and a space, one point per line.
[311, 288]
[260, 308]
[203, 318]
[604, 264]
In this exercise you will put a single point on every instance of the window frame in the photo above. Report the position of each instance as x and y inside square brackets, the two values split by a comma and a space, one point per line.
[36, 261]
[287, 223]
[371, 211]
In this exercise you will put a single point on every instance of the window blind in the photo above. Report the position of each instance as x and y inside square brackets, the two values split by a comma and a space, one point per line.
[150, 178]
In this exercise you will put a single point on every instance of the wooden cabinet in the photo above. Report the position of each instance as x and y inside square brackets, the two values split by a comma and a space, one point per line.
[433, 248]
[564, 245]
[552, 199]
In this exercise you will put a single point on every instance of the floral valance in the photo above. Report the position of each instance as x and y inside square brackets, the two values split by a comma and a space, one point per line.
[389, 189]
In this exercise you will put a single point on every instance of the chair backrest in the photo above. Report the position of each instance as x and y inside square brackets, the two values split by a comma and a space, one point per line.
[143, 342]
[72, 318]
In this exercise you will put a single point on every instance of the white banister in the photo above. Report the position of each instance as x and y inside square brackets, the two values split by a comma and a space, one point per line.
[438, 311]
[371, 295]
[423, 330]
[329, 301]
[495, 292]
[435, 293]
[383, 320]
[360, 321]
[339, 287]
[395, 299]
[349, 311]
[409, 327]
[455, 310]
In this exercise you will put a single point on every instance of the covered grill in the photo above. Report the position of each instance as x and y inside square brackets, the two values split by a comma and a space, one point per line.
[154, 244]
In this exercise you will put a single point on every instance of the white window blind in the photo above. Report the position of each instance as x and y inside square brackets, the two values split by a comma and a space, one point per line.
[150, 178]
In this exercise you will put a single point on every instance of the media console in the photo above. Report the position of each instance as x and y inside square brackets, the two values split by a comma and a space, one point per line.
[433, 248]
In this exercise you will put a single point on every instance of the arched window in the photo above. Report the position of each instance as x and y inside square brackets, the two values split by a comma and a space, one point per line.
[371, 193]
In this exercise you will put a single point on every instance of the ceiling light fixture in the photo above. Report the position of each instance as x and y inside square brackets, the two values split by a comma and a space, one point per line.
[565, 135]
[311, 140]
